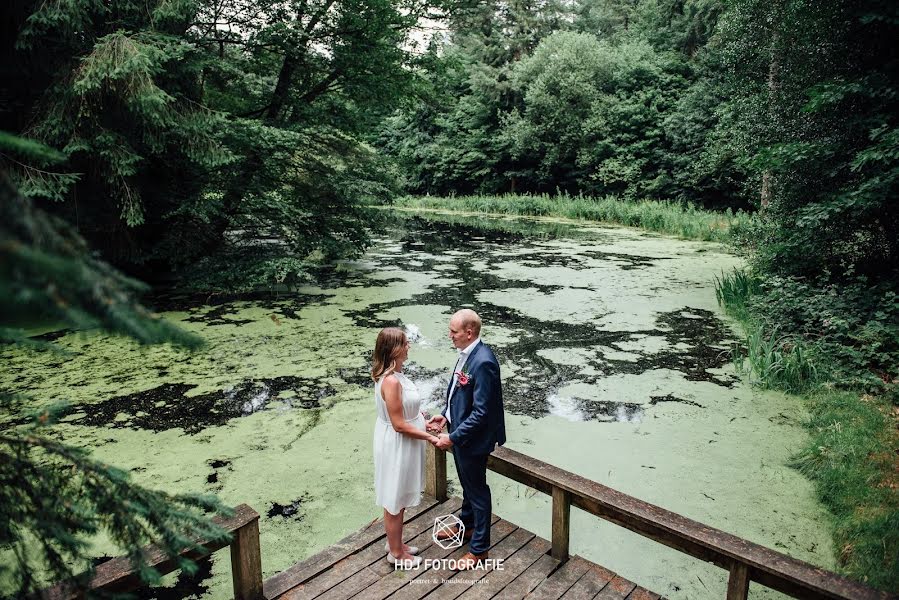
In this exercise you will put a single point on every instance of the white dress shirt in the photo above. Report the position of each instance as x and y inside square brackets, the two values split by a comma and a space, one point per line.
[463, 358]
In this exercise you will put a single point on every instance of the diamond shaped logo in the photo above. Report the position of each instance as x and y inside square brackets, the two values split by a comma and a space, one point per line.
[453, 531]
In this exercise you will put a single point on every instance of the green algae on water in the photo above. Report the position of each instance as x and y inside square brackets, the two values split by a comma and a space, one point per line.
[615, 362]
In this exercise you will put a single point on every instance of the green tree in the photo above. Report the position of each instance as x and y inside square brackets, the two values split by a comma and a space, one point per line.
[170, 115]
[53, 497]
[456, 121]
[813, 99]
[593, 112]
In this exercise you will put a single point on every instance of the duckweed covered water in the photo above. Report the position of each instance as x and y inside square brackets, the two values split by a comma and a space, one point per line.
[616, 365]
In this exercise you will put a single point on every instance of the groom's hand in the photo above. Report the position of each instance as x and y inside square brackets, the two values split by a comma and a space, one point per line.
[444, 442]
[435, 423]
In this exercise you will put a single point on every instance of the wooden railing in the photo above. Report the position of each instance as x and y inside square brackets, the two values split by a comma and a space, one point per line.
[117, 575]
[745, 560]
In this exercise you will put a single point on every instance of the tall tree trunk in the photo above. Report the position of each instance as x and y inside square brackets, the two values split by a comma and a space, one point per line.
[773, 75]
[253, 162]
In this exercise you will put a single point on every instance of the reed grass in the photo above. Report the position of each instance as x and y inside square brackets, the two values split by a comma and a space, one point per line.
[851, 454]
[683, 220]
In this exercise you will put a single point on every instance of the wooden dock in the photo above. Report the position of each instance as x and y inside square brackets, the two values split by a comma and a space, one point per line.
[532, 568]
[356, 567]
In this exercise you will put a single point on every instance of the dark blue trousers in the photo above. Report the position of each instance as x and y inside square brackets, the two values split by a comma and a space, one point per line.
[476, 502]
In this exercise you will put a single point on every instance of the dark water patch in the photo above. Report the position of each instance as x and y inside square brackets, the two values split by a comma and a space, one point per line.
[289, 511]
[168, 406]
[706, 337]
[332, 279]
[284, 303]
[543, 257]
[418, 234]
[653, 400]
[216, 465]
[52, 336]
[612, 411]
[185, 586]
[627, 262]
[217, 316]
[360, 377]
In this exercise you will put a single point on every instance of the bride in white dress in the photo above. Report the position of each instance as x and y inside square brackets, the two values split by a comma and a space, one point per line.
[399, 442]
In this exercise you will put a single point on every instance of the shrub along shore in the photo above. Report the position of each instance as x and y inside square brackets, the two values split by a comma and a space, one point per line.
[838, 346]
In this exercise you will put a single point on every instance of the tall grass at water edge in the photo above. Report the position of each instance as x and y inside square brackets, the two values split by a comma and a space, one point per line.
[680, 219]
[851, 452]
[776, 361]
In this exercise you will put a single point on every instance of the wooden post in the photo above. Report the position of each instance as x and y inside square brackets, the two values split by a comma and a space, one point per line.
[561, 523]
[246, 562]
[738, 583]
[435, 473]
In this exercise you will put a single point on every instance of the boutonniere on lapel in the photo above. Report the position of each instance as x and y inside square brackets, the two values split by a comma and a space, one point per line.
[462, 377]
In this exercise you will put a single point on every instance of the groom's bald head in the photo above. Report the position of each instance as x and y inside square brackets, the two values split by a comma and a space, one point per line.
[464, 328]
[468, 319]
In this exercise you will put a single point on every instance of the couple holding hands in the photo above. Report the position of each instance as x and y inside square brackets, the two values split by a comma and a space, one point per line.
[471, 424]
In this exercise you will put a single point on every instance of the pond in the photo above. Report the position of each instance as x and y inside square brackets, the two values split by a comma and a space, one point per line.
[616, 364]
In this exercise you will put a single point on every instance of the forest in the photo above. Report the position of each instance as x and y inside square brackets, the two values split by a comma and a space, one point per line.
[235, 146]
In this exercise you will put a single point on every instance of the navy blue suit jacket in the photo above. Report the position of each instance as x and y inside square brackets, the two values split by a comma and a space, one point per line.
[477, 422]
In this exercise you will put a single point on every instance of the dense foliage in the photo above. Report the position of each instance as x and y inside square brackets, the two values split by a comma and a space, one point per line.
[190, 126]
[234, 144]
[53, 497]
[221, 142]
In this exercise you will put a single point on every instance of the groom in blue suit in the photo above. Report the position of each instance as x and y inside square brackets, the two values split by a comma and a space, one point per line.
[476, 423]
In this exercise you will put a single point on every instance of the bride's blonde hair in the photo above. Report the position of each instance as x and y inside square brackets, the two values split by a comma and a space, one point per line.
[388, 346]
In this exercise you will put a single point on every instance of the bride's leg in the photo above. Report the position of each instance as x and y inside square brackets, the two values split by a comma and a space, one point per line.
[393, 525]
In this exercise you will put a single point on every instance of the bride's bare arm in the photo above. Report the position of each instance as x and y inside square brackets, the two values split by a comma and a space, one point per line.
[392, 392]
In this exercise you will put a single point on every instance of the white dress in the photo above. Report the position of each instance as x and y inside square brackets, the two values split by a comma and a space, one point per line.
[399, 459]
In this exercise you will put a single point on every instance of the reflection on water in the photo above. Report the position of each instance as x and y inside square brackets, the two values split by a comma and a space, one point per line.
[576, 409]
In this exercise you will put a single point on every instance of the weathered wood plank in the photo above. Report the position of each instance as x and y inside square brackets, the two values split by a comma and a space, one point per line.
[246, 562]
[533, 576]
[350, 587]
[435, 473]
[117, 574]
[561, 522]
[593, 581]
[642, 594]
[501, 550]
[617, 589]
[512, 568]
[434, 577]
[305, 569]
[391, 579]
[323, 580]
[561, 580]
[771, 568]
[738, 582]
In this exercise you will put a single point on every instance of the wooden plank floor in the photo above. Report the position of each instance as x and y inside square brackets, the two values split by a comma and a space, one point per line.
[356, 567]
